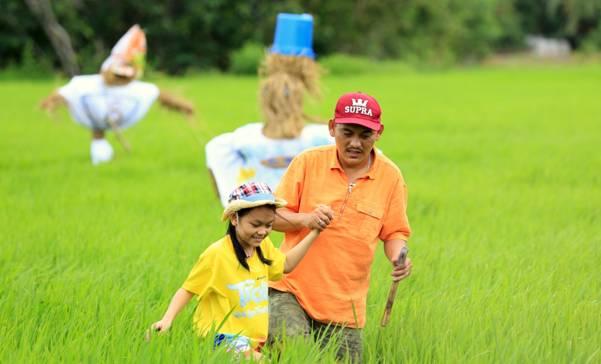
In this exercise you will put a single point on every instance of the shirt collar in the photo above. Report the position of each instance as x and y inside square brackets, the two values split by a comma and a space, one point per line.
[371, 173]
[334, 163]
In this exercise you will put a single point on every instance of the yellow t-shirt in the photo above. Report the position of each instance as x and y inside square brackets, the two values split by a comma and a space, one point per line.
[223, 285]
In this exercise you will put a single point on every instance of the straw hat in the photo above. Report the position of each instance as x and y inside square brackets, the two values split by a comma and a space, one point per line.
[248, 195]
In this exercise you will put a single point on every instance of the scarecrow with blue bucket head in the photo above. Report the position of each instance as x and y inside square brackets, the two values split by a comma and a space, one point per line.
[262, 151]
[114, 99]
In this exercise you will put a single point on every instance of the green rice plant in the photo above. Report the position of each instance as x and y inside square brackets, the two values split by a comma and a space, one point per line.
[504, 193]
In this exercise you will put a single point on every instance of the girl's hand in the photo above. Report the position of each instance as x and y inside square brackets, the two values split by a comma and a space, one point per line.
[319, 218]
[162, 325]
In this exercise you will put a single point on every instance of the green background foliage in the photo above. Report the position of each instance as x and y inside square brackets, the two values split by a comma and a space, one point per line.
[502, 167]
[201, 35]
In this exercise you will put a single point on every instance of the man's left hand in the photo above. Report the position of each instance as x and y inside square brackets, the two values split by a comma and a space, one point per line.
[401, 272]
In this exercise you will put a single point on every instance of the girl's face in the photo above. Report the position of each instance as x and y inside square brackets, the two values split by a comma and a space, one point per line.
[253, 227]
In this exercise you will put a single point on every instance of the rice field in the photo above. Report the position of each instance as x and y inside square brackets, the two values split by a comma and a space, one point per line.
[503, 165]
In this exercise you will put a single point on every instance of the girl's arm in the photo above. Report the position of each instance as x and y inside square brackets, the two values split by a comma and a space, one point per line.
[294, 255]
[178, 302]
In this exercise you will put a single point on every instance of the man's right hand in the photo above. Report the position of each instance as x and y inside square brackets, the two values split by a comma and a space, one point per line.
[319, 218]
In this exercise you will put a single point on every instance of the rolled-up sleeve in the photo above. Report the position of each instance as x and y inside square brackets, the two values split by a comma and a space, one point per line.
[395, 221]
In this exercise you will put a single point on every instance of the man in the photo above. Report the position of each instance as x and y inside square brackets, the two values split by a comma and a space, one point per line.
[361, 197]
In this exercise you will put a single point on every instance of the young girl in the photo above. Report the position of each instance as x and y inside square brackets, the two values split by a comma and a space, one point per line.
[230, 277]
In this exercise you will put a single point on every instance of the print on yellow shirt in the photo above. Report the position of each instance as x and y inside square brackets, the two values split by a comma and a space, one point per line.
[250, 291]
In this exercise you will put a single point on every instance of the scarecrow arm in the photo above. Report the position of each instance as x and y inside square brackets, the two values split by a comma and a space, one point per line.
[176, 104]
[52, 102]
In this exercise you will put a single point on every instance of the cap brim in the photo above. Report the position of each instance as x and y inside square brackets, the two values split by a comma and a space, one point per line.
[238, 205]
[359, 121]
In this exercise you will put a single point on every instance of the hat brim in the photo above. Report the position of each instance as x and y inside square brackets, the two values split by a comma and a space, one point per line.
[238, 205]
[359, 121]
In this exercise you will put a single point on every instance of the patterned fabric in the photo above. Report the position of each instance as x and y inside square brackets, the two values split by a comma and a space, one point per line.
[235, 343]
[248, 190]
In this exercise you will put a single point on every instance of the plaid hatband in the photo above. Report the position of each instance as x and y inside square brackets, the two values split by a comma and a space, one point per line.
[252, 191]
[249, 195]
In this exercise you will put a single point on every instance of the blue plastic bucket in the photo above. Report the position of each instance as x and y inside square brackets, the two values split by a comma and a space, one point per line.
[294, 35]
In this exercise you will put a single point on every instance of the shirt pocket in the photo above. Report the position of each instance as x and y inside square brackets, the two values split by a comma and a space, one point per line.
[371, 220]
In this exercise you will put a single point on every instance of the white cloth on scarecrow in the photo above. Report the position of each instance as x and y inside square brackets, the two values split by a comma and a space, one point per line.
[91, 101]
[247, 155]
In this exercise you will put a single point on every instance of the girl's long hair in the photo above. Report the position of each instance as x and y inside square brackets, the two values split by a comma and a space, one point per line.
[240, 255]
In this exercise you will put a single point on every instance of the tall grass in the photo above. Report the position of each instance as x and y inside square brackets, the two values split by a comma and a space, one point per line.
[505, 194]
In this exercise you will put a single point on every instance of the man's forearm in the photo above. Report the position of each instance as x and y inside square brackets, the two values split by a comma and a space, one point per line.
[392, 248]
[287, 220]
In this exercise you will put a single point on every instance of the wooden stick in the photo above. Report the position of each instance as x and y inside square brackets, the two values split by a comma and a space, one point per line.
[118, 134]
[392, 293]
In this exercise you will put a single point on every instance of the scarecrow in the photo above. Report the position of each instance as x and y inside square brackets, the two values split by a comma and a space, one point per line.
[113, 99]
[262, 151]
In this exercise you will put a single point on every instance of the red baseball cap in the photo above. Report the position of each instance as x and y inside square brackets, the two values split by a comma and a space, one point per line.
[358, 108]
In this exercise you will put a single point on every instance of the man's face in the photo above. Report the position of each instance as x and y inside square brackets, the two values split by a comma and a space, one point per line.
[354, 143]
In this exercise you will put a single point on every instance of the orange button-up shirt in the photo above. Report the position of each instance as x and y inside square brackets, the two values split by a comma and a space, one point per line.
[332, 280]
